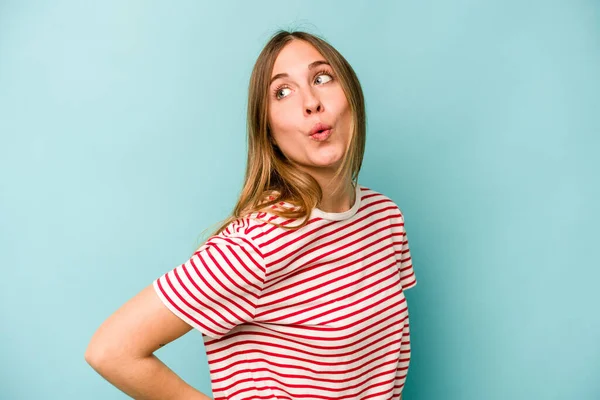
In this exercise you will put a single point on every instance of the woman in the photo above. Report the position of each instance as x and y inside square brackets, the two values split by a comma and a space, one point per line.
[299, 295]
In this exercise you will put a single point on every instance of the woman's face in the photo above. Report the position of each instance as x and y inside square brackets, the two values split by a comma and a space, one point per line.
[303, 93]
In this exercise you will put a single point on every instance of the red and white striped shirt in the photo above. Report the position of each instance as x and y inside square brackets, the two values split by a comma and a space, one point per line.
[316, 313]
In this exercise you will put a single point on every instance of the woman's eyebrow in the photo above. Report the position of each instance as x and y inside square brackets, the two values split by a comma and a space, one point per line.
[310, 66]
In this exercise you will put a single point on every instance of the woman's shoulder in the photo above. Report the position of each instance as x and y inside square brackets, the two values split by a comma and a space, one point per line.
[371, 194]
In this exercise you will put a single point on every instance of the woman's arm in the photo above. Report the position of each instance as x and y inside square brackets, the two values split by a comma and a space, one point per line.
[122, 348]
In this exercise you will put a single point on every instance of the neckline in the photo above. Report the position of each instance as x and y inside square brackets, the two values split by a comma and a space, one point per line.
[341, 215]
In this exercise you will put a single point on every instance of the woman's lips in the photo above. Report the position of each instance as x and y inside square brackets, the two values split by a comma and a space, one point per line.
[319, 127]
[321, 136]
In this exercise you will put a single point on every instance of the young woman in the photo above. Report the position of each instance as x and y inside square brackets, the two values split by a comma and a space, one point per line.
[299, 294]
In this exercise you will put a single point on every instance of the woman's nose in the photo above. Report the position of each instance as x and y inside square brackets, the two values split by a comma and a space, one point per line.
[312, 104]
[312, 109]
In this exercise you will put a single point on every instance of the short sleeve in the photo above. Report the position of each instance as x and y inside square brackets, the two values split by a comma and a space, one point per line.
[219, 286]
[403, 257]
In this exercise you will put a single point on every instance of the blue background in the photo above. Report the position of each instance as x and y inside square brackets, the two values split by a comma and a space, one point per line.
[123, 138]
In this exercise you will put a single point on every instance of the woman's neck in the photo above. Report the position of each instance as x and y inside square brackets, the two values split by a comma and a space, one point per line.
[338, 202]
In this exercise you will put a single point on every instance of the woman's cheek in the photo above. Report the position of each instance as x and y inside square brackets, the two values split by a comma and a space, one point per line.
[275, 117]
[286, 116]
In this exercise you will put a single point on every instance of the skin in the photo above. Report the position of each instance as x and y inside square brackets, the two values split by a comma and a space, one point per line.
[121, 350]
[307, 95]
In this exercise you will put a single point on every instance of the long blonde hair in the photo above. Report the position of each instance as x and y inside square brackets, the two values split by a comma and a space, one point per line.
[270, 177]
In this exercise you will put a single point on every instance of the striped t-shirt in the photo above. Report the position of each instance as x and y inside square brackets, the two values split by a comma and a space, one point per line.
[316, 313]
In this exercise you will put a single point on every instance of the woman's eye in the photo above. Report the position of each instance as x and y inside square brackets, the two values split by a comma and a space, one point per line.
[325, 80]
[281, 93]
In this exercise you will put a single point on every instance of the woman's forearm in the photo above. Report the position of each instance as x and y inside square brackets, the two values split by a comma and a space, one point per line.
[146, 378]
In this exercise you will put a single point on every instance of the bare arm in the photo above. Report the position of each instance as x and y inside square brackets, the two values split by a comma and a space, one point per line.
[122, 348]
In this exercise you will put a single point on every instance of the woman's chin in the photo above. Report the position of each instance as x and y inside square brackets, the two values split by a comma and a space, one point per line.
[326, 161]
